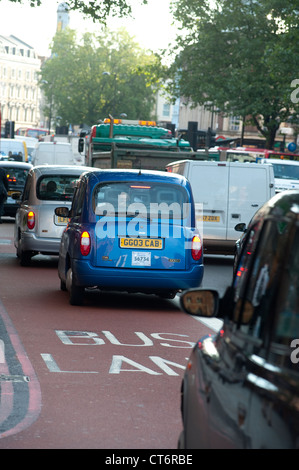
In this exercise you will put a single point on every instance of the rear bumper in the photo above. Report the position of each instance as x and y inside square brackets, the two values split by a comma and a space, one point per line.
[30, 242]
[87, 275]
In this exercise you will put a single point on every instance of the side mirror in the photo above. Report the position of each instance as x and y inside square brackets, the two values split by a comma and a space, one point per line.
[80, 144]
[16, 196]
[241, 227]
[200, 302]
[62, 211]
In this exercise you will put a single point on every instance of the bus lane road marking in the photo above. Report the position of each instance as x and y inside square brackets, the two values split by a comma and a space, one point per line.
[119, 362]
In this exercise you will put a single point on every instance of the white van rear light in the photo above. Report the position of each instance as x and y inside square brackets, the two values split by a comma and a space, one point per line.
[85, 243]
[196, 248]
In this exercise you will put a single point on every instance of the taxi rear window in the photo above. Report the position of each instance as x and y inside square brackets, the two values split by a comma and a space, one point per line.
[155, 200]
[56, 187]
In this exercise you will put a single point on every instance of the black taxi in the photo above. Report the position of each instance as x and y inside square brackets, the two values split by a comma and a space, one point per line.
[241, 386]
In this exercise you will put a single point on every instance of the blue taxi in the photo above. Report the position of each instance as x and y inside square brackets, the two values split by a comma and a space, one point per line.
[130, 230]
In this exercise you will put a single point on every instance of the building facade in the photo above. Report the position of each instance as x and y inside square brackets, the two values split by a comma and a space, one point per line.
[19, 90]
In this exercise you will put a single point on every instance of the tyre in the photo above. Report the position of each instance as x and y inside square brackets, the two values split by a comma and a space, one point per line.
[76, 293]
[25, 258]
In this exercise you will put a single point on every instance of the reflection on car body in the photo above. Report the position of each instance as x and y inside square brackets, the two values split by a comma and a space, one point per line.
[132, 231]
[16, 173]
[37, 229]
[241, 386]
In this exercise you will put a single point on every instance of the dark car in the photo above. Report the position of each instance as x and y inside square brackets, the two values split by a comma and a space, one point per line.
[241, 385]
[16, 173]
[132, 231]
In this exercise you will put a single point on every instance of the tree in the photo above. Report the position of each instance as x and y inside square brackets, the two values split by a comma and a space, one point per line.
[103, 74]
[239, 56]
[98, 10]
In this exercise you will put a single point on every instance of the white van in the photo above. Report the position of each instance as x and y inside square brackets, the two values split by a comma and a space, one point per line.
[225, 194]
[13, 149]
[286, 173]
[30, 142]
[53, 153]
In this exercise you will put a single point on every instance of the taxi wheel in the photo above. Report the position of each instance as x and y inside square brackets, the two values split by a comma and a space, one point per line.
[25, 258]
[76, 293]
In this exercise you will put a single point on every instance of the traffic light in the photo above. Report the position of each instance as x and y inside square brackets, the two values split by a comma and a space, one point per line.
[192, 134]
[210, 138]
[9, 129]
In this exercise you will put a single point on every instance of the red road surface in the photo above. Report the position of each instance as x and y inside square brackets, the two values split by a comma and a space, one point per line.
[106, 375]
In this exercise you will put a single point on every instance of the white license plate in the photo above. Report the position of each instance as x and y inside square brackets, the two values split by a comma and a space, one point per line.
[141, 258]
[9, 200]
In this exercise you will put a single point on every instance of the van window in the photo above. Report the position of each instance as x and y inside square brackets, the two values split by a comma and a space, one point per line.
[288, 172]
[56, 188]
[153, 200]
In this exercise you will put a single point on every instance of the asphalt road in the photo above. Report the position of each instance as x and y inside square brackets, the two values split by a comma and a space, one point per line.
[106, 375]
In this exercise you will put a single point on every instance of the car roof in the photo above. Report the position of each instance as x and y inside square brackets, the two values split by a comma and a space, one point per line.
[64, 169]
[284, 162]
[13, 163]
[283, 205]
[144, 175]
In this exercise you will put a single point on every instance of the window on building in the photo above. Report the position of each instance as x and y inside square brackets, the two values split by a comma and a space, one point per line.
[166, 109]
[234, 123]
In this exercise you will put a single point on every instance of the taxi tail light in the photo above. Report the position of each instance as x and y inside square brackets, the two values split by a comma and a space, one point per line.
[85, 244]
[30, 220]
[196, 248]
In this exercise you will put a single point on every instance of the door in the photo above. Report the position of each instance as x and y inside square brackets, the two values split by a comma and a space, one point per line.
[140, 225]
[248, 191]
[209, 181]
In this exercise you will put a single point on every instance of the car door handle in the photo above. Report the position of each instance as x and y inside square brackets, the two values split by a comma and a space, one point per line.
[254, 205]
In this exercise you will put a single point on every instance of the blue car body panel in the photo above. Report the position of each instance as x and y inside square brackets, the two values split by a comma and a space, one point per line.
[132, 251]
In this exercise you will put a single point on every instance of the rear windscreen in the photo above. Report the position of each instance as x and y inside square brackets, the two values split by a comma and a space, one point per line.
[56, 188]
[16, 176]
[149, 199]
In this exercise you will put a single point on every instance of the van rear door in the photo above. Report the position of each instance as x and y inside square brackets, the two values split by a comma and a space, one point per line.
[249, 189]
[209, 181]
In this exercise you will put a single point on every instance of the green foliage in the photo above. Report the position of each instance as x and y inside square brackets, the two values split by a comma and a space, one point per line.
[98, 10]
[105, 73]
[240, 56]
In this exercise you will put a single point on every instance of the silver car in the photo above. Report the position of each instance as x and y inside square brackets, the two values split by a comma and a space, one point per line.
[37, 229]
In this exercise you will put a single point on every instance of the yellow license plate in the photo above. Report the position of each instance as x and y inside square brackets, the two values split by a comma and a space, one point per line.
[210, 218]
[62, 220]
[146, 243]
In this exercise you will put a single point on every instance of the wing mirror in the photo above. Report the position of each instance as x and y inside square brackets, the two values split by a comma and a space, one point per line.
[200, 302]
[62, 211]
[241, 227]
